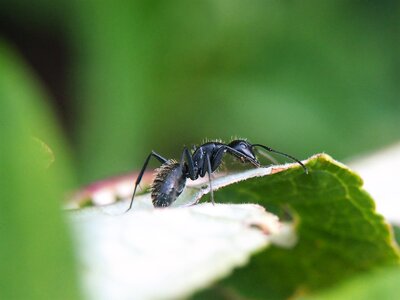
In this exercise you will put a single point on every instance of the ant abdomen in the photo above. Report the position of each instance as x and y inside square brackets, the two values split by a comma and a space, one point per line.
[168, 184]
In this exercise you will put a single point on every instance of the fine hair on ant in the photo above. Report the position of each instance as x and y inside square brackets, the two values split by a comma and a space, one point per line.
[171, 177]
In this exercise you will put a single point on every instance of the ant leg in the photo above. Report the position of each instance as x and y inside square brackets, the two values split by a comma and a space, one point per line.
[217, 158]
[139, 178]
[192, 173]
[236, 153]
[209, 177]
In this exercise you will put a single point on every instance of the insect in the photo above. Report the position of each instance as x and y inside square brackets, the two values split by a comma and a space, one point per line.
[171, 177]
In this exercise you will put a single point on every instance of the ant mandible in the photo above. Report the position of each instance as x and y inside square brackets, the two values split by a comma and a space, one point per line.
[171, 177]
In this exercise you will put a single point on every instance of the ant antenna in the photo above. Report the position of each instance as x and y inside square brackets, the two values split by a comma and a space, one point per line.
[281, 153]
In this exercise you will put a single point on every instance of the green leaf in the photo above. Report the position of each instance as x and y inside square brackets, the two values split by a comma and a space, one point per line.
[396, 230]
[340, 234]
[36, 260]
[47, 155]
[379, 284]
[338, 231]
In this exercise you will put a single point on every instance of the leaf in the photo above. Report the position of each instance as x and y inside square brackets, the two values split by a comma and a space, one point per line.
[36, 260]
[380, 172]
[379, 284]
[47, 155]
[340, 234]
[168, 253]
[396, 230]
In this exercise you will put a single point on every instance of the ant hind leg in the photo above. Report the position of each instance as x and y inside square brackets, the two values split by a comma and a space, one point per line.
[139, 178]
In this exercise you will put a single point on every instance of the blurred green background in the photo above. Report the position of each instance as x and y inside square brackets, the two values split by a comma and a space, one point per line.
[126, 77]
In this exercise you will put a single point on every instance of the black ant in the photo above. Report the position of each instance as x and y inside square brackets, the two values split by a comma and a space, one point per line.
[171, 176]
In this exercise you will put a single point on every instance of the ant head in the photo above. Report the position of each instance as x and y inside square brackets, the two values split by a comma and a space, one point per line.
[243, 151]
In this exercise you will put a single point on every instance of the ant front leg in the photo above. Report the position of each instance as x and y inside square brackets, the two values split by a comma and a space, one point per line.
[139, 179]
[242, 156]
[209, 178]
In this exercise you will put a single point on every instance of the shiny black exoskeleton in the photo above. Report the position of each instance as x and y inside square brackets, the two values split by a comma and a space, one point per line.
[171, 176]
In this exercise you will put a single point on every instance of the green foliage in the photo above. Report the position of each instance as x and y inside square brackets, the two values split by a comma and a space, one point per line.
[159, 75]
[382, 284]
[276, 72]
[36, 260]
[396, 230]
[340, 234]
